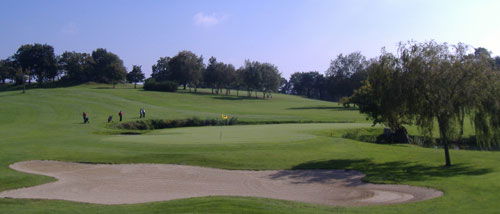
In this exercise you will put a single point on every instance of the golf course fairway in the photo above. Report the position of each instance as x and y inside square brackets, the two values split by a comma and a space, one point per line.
[46, 124]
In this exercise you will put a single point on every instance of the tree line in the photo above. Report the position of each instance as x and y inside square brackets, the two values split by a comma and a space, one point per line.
[187, 69]
[344, 75]
[431, 84]
[38, 63]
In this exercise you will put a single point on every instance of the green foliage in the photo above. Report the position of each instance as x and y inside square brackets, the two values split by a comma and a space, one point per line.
[167, 86]
[108, 67]
[429, 83]
[257, 76]
[362, 134]
[219, 75]
[310, 84]
[135, 75]
[37, 60]
[176, 123]
[77, 67]
[8, 70]
[346, 74]
[382, 97]
[161, 70]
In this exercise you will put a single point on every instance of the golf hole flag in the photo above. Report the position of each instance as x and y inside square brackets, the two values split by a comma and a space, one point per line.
[224, 117]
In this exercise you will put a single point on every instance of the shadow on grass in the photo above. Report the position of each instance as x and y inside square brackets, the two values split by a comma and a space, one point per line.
[236, 98]
[336, 108]
[392, 172]
[221, 96]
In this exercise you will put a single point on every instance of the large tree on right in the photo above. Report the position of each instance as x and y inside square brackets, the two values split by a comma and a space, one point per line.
[442, 85]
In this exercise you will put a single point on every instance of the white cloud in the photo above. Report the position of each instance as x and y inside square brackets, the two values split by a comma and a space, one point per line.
[207, 20]
[69, 28]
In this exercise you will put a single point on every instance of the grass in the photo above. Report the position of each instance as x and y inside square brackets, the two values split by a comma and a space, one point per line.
[46, 124]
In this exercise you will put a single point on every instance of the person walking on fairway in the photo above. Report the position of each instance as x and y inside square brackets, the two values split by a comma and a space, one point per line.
[120, 114]
[110, 118]
[142, 113]
[85, 118]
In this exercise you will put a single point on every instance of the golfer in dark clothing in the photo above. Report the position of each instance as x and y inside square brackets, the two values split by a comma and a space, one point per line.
[110, 118]
[85, 118]
[121, 115]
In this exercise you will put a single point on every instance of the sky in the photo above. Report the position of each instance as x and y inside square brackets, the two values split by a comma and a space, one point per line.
[294, 35]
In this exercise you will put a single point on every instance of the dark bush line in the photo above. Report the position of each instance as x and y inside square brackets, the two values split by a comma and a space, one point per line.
[55, 84]
[168, 86]
[373, 135]
[193, 122]
[176, 123]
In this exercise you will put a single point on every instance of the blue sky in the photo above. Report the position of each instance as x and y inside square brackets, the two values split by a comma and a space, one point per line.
[294, 35]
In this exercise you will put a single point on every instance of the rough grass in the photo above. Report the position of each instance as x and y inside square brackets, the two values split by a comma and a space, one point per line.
[46, 124]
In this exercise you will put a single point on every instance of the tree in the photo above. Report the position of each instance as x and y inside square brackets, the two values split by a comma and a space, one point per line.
[383, 96]
[252, 77]
[7, 70]
[161, 70]
[211, 74]
[37, 60]
[238, 80]
[285, 86]
[135, 75]
[271, 78]
[345, 74]
[228, 76]
[77, 67]
[310, 84]
[447, 85]
[186, 68]
[497, 63]
[108, 67]
[431, 82]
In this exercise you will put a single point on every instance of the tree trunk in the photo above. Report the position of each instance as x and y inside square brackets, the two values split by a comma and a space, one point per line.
[401, 135]
[444, 123]
[135, 85]
[446, 154]
[237, 92]
[212, 90]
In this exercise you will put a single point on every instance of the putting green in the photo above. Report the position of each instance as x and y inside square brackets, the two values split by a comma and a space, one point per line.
[282, 133]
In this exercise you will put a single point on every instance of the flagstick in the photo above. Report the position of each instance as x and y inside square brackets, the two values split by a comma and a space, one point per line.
[220, 134]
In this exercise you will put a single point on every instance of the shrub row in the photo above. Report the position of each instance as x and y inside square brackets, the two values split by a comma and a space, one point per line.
[168, 86]
[163, 124]
[372, 135]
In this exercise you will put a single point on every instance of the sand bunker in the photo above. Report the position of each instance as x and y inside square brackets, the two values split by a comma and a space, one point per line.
[139, 183]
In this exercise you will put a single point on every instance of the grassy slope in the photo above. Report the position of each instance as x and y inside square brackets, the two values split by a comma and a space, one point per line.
[46, 124]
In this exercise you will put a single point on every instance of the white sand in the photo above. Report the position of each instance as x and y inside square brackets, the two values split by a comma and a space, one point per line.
[139, 183]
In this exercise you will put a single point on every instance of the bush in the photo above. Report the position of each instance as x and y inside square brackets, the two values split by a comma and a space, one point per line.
[168, 86]
[362, 134]
[163, 124]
